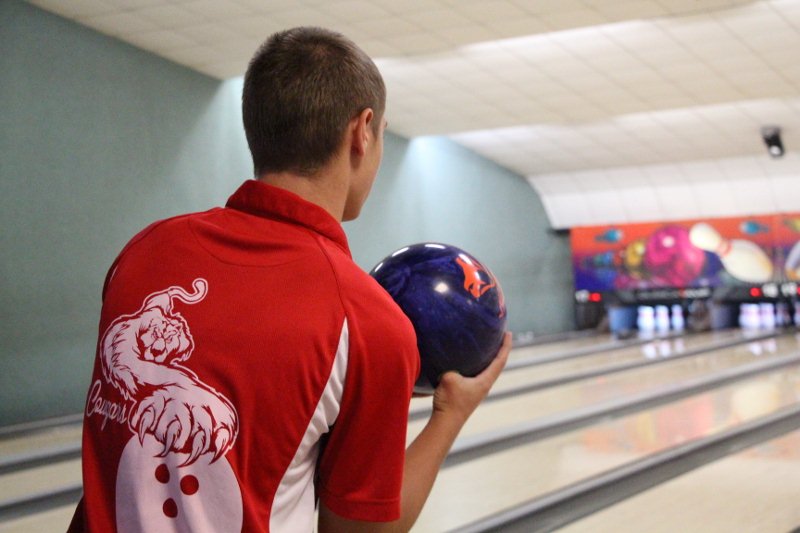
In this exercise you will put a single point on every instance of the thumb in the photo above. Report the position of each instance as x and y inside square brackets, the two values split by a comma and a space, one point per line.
[451, 377]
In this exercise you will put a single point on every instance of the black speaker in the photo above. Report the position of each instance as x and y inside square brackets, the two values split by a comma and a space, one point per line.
[772, 138]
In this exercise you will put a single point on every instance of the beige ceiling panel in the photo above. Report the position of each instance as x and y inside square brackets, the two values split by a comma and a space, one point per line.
[216, 10]
[79, 8]
[542, 86]
[641, 9]
[171, 17]
[161, 40]
[464, 35]
[125, 4]
[122, 23]
[578, 18]
[490, 11]
[515, 27]
[355, 10]
[434, 20]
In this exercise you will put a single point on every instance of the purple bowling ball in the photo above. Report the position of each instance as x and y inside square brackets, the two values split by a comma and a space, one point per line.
[671, 259]
[455, 304]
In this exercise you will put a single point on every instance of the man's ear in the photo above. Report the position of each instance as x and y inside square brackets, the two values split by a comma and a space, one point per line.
[361, 128]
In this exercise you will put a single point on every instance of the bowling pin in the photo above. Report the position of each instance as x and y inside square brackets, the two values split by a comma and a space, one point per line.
[742, 259]
[767, 312]
[749, 317]
[662, 318]
[645, 320]
[678, 322]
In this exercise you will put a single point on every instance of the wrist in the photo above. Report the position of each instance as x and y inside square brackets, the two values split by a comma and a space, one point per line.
[448, 419]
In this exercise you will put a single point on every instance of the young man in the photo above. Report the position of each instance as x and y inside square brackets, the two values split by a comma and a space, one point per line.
[246, 367]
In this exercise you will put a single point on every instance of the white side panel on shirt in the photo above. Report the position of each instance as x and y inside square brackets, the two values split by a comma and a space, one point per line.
[293, 506]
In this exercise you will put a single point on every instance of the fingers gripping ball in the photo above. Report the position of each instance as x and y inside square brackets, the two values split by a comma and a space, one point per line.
[455, 304]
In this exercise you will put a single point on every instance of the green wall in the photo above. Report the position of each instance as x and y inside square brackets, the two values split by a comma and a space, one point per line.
[432, 189]
[98, 139]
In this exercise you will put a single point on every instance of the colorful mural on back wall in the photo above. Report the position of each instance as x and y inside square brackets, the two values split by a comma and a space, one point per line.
[687, 253]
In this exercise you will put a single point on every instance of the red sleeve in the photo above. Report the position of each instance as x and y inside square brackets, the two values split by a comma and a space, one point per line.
[77, 525]
[361, 468]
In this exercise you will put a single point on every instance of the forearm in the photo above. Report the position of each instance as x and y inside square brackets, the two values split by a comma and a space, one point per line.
[424, 457]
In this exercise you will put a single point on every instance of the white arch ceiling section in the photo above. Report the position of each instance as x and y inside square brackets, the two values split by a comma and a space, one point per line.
[718, 188]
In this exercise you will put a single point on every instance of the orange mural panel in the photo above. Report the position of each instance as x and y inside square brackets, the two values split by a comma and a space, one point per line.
[686, 253]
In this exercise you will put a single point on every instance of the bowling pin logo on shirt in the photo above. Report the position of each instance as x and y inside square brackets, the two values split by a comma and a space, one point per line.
[180, 426]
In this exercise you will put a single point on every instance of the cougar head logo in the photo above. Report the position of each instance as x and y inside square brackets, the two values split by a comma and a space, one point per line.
[143, 356]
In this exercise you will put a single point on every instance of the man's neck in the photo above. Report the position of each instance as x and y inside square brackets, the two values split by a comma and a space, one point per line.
[326, 188]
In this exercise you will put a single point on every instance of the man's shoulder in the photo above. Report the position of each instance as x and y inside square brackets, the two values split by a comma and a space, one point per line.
[352, 278]
[167, 227]
[362, 295]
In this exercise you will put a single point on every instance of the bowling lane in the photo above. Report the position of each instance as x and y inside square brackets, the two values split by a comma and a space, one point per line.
[40, 479]
[471, 490]
[547, 402]
[550, 349]
[655, 349]
[53, 520]
[40, 440]
[622, 349]
[754, 491]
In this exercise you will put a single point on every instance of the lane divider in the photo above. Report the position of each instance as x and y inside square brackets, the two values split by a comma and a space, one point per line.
[475, 446]
[561, 507]
[424, 412]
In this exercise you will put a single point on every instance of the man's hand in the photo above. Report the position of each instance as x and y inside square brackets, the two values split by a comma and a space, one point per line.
[458, 396]
[454, 400]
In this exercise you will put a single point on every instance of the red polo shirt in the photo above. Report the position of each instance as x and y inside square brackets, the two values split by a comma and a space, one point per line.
[244, 362]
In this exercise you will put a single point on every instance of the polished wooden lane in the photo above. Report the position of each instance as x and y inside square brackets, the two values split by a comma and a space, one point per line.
[550, 349]
[43, 439]
[472, 490]
[655, 349]
[551, 402]
[54, 520]
[755, 491]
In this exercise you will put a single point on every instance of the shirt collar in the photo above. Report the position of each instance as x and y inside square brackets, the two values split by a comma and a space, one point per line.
[266, 201]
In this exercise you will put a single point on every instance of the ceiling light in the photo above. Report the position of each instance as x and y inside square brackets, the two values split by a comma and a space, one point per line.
[772, 138]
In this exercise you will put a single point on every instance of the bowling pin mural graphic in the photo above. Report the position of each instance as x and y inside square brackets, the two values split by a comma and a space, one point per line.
[181, 428]
[742, 259]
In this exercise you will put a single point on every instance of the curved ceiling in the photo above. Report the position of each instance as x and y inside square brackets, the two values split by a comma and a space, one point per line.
[614, 110]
